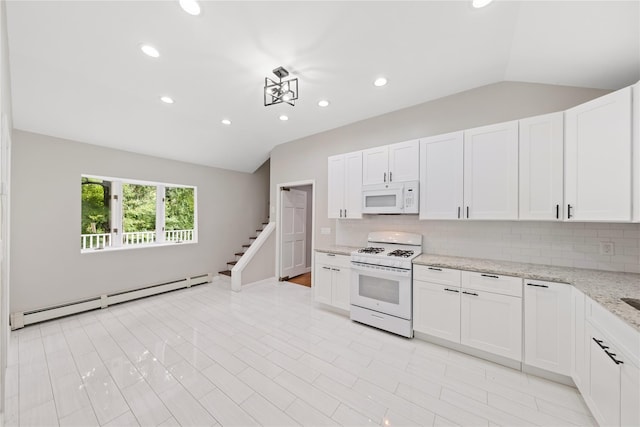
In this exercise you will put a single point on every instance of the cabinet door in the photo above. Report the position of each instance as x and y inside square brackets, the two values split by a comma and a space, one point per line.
[322, 283]
[335, 186]
[578, 338]
[604, 381]
[340, 287]
[353, 185]
[404, 161]
[541, 167]
[441, 173]
[491, 172]
[598, 159]
[629, 394]
[547, 326]
[375, 165]
[436, 310]
[492, 322]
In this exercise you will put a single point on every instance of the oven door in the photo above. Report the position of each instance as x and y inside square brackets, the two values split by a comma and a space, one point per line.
[383, 289]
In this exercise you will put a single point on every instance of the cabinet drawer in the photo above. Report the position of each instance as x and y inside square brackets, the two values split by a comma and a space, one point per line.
[443, 276]
[505, 285]
[333, 259]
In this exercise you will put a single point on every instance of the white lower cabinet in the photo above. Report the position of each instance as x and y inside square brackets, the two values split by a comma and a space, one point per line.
[491, 322]
[547, 326]
[479, 310]
[436, 310]
[612, 389]
[331, 281]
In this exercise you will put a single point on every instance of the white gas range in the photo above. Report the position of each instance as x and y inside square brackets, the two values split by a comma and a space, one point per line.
[381, 281]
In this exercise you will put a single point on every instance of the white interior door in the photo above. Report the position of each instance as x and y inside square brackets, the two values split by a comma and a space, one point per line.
[293, 232]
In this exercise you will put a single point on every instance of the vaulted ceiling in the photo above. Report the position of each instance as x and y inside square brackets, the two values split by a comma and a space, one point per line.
[77, 70]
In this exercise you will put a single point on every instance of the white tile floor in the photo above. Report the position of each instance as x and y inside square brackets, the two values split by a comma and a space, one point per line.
[265, 356]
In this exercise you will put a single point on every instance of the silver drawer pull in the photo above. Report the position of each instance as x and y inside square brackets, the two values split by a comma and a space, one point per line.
[331, 254]
[490, 275]
[451, 290]
[434, 269]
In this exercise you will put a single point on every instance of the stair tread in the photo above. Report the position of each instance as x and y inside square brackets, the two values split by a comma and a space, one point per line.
[225, 272]
[232, 262]
[255, 237]
[239, 253]
[245, 246]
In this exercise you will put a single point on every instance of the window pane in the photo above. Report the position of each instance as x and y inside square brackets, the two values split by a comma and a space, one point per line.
[95, 224]
[138, 214]
[179, 214]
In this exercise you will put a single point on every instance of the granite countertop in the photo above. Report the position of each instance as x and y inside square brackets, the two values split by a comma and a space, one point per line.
[604, 287]
[338, 250]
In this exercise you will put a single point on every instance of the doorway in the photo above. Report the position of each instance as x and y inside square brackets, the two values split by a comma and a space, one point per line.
[295, 232]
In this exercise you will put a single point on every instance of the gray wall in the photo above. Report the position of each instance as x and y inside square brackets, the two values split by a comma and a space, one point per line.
[307, 158]
[47, 267]
[5, 150]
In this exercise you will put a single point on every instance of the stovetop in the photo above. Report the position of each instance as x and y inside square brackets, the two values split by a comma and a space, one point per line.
[393, 249]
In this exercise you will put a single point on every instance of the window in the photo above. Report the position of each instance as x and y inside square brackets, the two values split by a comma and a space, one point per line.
[120, 213]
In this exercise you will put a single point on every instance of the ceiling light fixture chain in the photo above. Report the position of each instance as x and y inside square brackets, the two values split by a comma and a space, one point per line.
[281, 91]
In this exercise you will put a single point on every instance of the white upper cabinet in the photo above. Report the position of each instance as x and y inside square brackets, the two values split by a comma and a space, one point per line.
[375, 165]
[598, 150]
[404, 161]
[391, 163]
[345, 185]
[441, 172]
[335, 186]
[541, 167]
[491, 172]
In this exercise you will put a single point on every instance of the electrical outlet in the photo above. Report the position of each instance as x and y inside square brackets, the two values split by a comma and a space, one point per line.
[606, 248]
[325, 230]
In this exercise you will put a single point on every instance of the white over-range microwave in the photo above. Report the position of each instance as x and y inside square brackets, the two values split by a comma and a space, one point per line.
[390, 198]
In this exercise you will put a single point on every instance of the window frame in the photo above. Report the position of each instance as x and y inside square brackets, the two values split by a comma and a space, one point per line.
[116, 214]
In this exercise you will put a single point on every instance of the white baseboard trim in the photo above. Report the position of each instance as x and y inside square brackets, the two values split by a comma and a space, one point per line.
[21, 319]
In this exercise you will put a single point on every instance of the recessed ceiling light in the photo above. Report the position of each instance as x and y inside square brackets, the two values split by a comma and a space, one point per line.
[167, 99]
[226, 122]
[323, 103]
[284, 118]
[480, 3]
[149, 50]
[190, 6]
[380, 81]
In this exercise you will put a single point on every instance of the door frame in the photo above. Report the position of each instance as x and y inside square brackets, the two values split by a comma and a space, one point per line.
[294, 184]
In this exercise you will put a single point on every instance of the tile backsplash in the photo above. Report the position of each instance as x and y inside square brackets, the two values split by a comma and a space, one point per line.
[552, 243]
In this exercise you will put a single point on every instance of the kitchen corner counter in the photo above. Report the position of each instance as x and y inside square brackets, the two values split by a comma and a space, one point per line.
[604, 287]
[338, 250]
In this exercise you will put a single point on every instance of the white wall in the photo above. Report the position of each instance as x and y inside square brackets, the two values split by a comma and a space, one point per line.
[307, 159]
[5, 186]
[47, 267]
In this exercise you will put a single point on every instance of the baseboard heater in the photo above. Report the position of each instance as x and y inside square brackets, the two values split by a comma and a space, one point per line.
[22, 319]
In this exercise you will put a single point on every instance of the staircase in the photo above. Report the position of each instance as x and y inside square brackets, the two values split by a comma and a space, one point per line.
[238, 255]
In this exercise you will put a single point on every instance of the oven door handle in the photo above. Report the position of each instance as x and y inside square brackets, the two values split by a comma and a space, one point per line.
[391, 272]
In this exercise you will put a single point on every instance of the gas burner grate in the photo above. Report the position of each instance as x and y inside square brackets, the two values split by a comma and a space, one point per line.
[401, 253]
[371, 250]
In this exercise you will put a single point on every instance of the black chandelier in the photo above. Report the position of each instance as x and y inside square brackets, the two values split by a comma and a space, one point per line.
[281, 91]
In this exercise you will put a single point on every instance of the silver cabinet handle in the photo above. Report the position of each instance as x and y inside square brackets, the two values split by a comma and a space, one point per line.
[434, 269]
[451, 290]
[490, 275]
[331, 254]
[385, 177]
[326, 268]
[390, 176]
